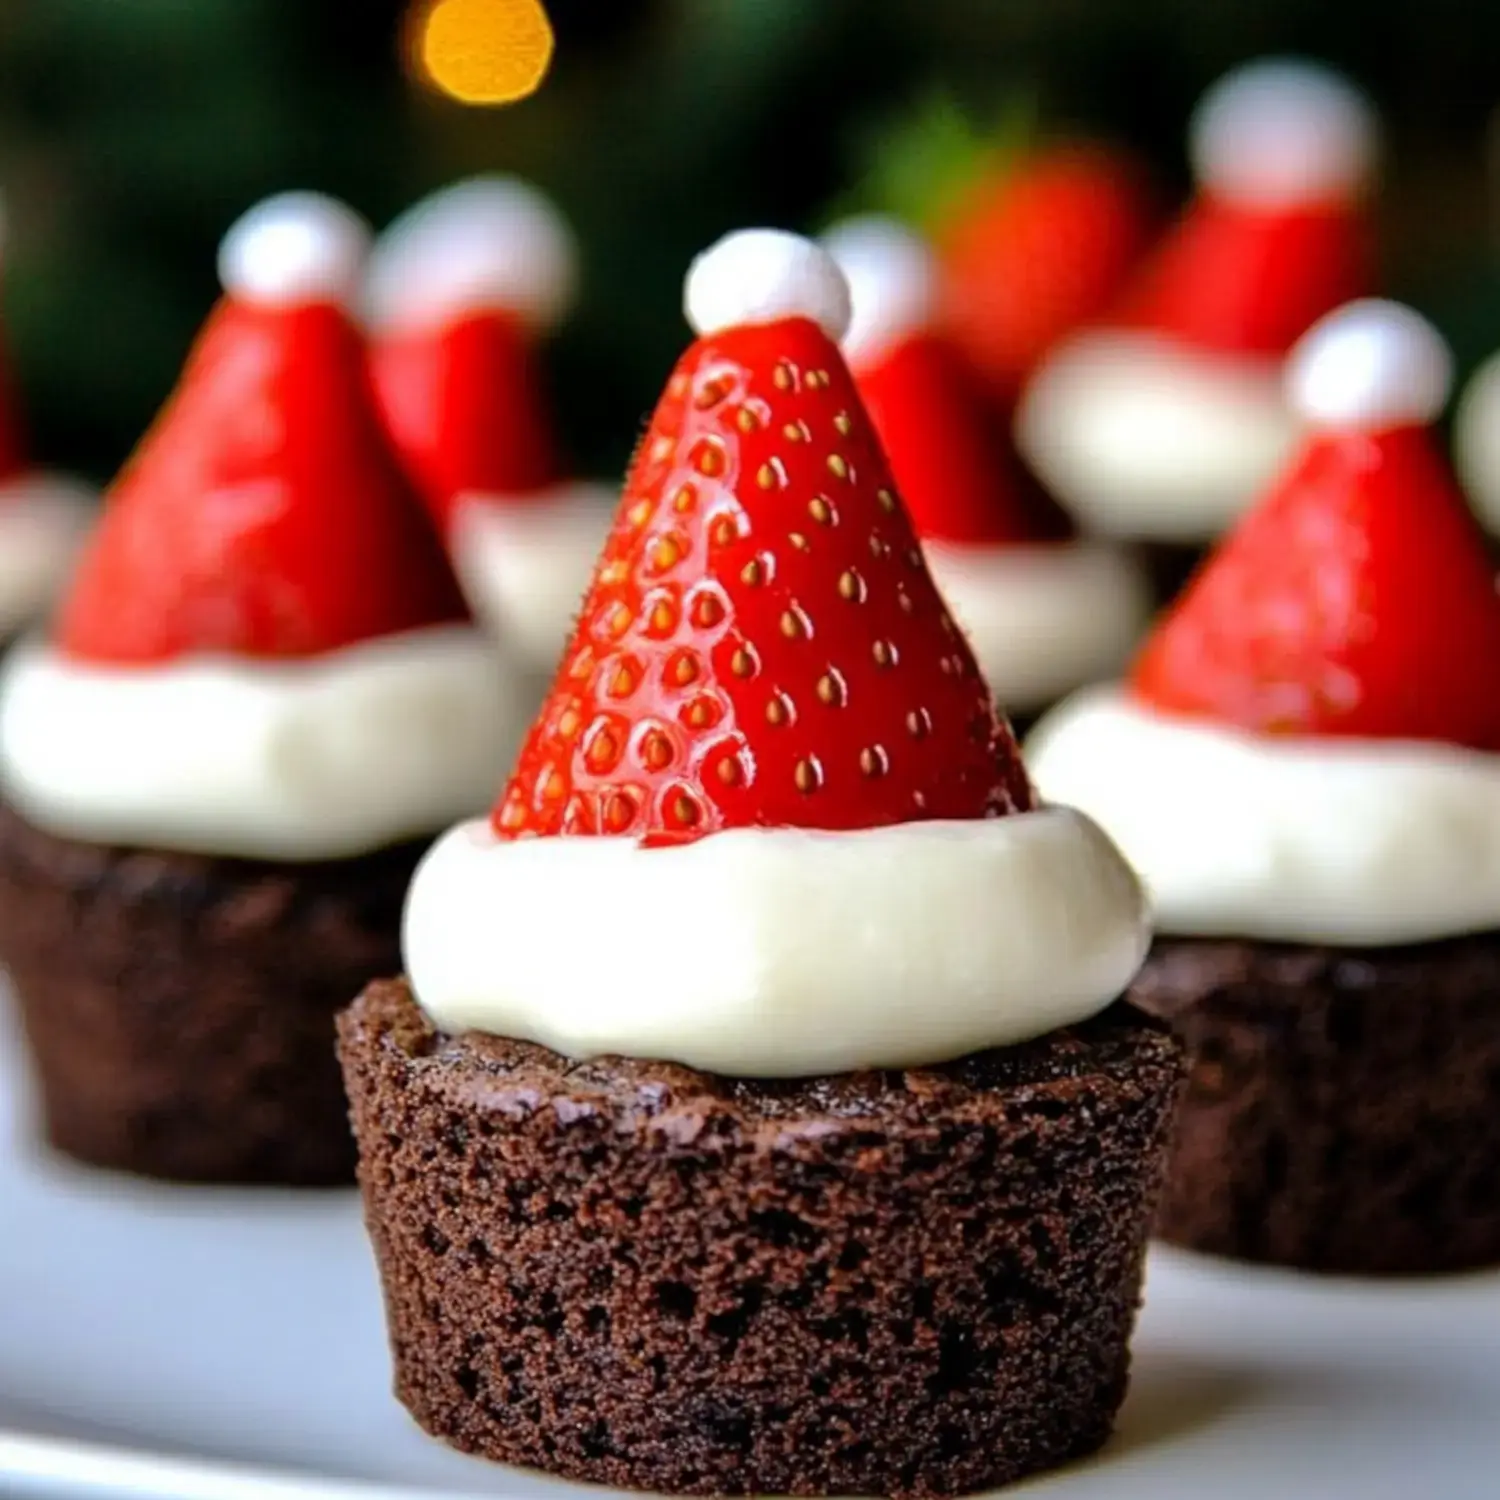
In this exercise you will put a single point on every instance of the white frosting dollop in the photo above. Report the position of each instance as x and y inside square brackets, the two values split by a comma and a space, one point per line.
[320, 758]
[1141, 436]
[525, 564]
[1368, 365]
[43, 520]
[762, 276]
[1283, 132]
[1043, 620]
[892, 283]
[778, 952]
[295, 248]
[487, 242]
[1356, 842]
[1476, 441]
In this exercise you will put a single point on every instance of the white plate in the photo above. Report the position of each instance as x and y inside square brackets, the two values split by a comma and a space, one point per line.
[224, 1345]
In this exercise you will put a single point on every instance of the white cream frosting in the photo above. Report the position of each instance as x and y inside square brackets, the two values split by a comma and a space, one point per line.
[778, 952]
[43, 520]
[525, 564]
[762, 276]
[319, 758]
[1141, 436]
[1476, 441]
[1044, 619]
[1295, 840]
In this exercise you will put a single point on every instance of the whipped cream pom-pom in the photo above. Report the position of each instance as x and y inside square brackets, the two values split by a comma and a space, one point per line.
[892, 282]
[491, 242]
[762, 276]
[1282, 133]
[295, 248]
[1369, 365]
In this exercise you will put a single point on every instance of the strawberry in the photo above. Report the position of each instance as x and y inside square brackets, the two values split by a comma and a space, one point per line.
[1243, 280]
[956, 468]
[457, 293]
[1357, 599]
[464, 410]
[262, 514]
[1033, 252]
[762, 645]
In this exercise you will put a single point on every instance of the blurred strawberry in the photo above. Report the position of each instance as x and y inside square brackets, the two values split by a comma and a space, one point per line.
[1035, 247]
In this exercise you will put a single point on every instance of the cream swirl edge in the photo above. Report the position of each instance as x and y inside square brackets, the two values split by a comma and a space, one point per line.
[1346, 842]
[1043, 620]
[321, 758]
[525, 563]
[1139, 436]
[778, 952]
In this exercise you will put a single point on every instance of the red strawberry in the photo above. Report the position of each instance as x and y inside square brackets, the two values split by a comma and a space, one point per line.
[762, 644]
[262, 514]
[1282, 152]
[954, 464]
[1358, 598]
[459, 289]
[1033, 252]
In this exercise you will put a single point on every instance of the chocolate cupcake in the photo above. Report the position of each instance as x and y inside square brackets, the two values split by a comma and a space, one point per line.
[261, 697]
[1162, 426]
[1305, 767]
[757, 1115]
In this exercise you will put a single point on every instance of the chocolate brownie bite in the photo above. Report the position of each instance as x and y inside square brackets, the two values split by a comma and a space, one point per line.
[260, 698]
[757, 1115]
[1304, 765]
[179, 1007]
[638, 1273]
[1341, 1104]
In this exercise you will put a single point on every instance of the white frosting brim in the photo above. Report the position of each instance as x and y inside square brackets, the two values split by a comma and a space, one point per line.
[1296, 840]
[1476, 441]
[43, 520]
[320, 758]
[1143, 437]
[526, 564]
[1043, 620]
[778, 953]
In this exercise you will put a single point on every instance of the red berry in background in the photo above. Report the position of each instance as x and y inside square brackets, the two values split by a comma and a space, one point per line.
[1034, 250]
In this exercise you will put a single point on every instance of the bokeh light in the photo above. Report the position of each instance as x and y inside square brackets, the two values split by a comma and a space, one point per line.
[482, 51]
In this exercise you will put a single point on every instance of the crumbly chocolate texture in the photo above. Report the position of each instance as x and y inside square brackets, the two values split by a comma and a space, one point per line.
[1342, 1111]
[179, 1008]
[638, 1274]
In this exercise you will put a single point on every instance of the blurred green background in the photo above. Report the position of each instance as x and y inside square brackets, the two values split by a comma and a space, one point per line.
[133, 131]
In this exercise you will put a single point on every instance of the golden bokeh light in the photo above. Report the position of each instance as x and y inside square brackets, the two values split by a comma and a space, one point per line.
[482, 51]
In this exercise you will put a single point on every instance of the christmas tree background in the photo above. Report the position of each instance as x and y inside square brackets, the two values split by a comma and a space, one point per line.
[133, 131]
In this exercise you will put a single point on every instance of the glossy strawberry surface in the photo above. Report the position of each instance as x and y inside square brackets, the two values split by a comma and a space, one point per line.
[262, 515]
[762, 644]
[465, 410]
[1357, 599]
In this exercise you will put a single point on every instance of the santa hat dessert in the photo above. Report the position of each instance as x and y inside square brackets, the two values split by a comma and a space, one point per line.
[1165, 425]
[43, 516]
[1305, 767]
[459, 291]
[1044, 610]
[767, 825]
[261, 692]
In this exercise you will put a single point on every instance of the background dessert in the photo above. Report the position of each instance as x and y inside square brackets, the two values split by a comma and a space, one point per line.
[459, 289]
[1305, 767]
[260, 694]
[1044, 609]
[834, 1241]
[1163, 424]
